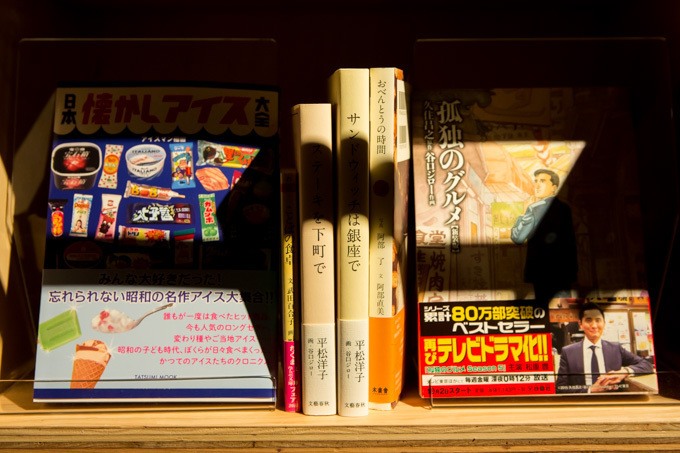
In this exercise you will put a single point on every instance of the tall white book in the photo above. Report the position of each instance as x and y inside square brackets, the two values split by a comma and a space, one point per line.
[349, 94]
[390, 155]
[313, 142]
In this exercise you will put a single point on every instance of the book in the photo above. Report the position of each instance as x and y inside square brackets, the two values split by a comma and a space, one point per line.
[290, 290]
[519, 239]
[142, 206]
[349, 95]
[390, 157]
[520, 263]
[313, 143]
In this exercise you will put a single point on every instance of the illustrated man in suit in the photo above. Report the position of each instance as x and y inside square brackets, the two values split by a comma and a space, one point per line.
[595, 365]
[546, 225]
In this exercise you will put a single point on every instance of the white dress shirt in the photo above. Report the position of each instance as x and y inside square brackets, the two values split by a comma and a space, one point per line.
[587, 357]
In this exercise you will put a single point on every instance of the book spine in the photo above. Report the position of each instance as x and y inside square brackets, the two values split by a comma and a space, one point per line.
[290, 290]
[313, 140]
[349, 92]
[389, 160]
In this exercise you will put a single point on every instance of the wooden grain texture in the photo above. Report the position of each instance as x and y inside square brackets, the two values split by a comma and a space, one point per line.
[652, 424]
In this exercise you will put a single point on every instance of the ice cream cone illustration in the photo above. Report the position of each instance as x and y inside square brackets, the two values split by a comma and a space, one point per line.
[91, 359]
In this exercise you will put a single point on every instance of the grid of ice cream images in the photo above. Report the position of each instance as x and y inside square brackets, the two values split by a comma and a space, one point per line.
[136, 204]
[163, 198]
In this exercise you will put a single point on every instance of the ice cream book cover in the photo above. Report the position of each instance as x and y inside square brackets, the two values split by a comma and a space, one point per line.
[160, 278]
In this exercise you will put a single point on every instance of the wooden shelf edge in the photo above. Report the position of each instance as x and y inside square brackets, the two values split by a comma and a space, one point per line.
[412, 425]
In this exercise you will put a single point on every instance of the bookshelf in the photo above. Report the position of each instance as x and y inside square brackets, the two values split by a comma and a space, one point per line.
[314, 40]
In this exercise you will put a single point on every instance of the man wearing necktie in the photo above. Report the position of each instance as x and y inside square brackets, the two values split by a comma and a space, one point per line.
[596, 365]
[548, 231]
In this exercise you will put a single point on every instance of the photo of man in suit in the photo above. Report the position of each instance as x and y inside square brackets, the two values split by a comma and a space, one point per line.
[596, 365]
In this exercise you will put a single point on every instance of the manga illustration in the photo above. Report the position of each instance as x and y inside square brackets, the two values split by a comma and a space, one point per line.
[526, 202]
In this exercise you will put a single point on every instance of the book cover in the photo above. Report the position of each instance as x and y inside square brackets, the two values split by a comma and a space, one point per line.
[349, 94]
[161, 265]
[529, 243]
[390, 158]
[313, 143]
[290, 290]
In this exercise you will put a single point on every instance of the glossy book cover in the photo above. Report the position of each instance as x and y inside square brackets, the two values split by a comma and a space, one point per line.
[161, 263]
[527, 210]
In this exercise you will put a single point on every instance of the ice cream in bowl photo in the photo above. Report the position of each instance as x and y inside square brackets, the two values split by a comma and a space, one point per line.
[114, 321]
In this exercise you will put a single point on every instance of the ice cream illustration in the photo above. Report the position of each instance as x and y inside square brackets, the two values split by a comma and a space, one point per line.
[112, 321]
[90, 362]
[59, 330]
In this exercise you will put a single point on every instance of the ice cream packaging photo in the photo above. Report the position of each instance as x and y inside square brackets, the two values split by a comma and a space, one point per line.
[182, 166]
[225, 155]
[57, 217]
[151, 192]
[152, 213]
[80, 217]
[145, 161]
[107, 218]
[109, 177]
[75, 165]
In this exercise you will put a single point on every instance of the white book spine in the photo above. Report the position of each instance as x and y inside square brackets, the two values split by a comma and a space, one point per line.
[313, 137]
[350, 98]
[318, 363]
[353, 367]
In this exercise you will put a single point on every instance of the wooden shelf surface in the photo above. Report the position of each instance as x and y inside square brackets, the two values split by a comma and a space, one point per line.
[616, 424]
